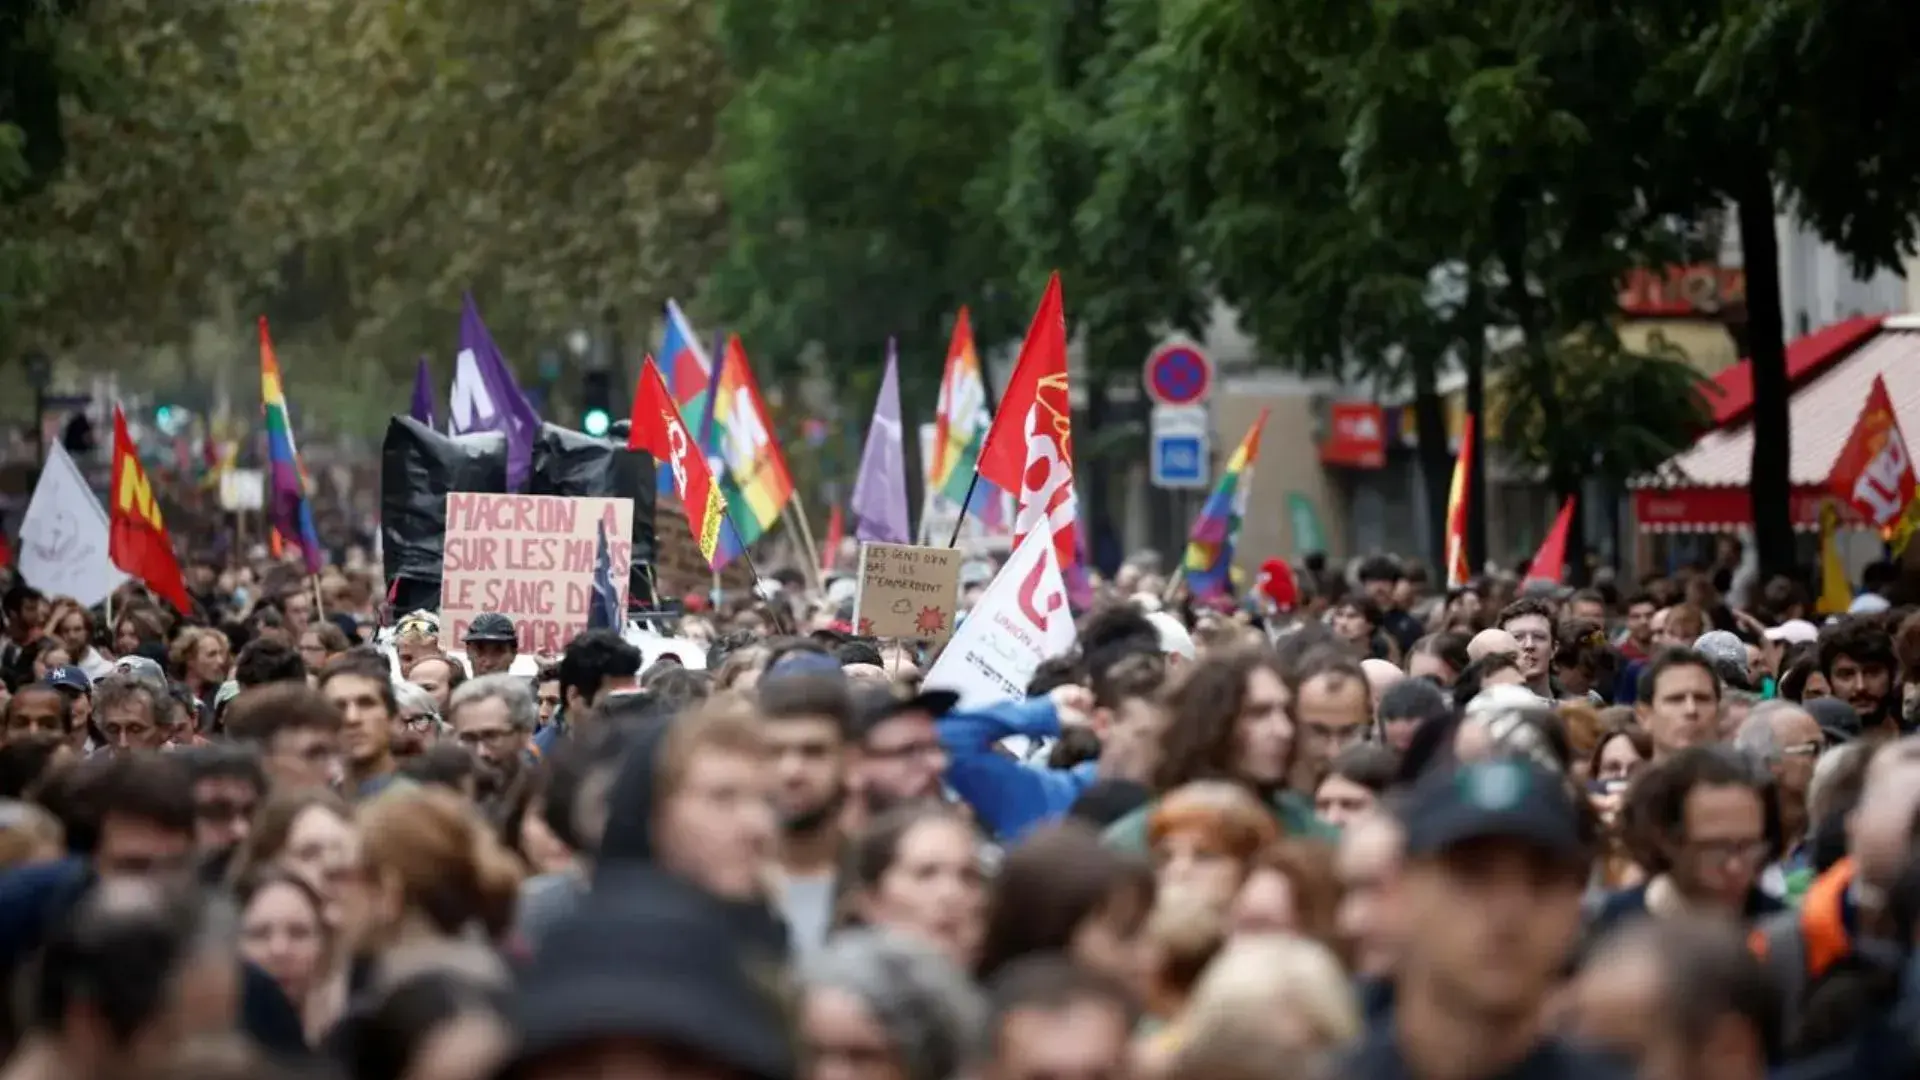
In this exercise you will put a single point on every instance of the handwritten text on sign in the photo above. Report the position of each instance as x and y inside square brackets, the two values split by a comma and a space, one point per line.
[531, 558]
[907, 591]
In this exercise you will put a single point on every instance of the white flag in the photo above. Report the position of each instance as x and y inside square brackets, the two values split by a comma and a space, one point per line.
[1021, 620]
[63, 539]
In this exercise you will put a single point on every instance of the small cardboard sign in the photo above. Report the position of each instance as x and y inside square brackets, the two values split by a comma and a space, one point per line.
[907, 591]
[532, 559]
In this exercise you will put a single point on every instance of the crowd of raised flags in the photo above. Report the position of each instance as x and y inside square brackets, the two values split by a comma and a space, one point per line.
[705, 419]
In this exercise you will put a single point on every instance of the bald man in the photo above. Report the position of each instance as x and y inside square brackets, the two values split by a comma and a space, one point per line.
[1488, 642]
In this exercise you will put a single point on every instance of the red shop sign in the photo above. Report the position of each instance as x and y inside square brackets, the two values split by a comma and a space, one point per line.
[1356, 436]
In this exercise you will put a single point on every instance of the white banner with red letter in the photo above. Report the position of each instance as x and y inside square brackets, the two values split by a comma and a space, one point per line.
[1021, 620]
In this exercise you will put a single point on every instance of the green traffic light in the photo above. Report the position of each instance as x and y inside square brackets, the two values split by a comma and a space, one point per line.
[596, 422]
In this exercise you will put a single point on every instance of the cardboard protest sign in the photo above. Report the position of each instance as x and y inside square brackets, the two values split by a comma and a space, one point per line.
[678, 566]
[1021, 620]
[531, 558]
[907, 591]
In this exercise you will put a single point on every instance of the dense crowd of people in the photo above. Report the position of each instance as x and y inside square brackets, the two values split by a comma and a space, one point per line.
[1345, 825]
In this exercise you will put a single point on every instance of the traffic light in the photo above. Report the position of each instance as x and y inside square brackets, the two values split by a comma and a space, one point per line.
[596, 401]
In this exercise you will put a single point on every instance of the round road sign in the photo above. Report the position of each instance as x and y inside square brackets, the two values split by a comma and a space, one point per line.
[1178, 374]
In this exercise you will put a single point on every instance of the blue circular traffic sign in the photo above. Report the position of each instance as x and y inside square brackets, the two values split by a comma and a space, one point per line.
[1178, 375]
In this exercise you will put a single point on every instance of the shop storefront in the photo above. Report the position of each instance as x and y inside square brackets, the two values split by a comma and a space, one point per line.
[1705, 491]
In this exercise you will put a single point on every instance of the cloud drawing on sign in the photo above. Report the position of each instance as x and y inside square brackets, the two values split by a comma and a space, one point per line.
[902, 606]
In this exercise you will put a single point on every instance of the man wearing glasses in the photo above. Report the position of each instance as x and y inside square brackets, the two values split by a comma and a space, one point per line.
[1785, 739]
[1701, 816]
[493, 716]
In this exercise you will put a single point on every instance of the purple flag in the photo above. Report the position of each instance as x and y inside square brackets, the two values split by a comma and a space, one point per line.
[422, 408]
[485, 397]
[880, 491]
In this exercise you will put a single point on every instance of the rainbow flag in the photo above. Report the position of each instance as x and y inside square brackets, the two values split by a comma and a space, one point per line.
[961, 418]
[288, 507]
[1209, 562]
[690, 378]
[960, 422]
[739, 427]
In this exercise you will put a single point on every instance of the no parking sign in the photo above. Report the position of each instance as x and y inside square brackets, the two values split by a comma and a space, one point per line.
[1178, 374]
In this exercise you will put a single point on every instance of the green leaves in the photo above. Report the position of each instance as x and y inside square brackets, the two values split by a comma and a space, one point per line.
[352, 168]
[866, 150]
[1614, 414]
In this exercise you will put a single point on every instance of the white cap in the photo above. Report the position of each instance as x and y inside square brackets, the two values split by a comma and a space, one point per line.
[1868, 603]
[1793, 632]
[1174, 639]
[842, 590]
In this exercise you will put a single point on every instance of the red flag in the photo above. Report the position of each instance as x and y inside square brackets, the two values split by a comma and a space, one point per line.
[1457, 569]
[836, 532]
[137, 539]
[1551, 560]
[1029, 448]
[1873, 471]
[658, 429]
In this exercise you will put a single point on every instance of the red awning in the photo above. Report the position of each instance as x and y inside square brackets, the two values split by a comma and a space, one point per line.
[1705, 487]
[1731, 394]
[1724, 509]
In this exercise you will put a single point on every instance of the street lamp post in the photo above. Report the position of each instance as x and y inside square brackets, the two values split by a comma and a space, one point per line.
[39, 377]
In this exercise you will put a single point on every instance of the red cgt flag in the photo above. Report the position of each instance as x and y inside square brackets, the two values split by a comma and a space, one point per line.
[1029, 448]
[658, 429]
[137, 539]
[1874, 472]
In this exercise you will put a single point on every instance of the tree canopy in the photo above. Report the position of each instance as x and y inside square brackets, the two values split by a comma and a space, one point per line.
[351, 169]
[866, 149]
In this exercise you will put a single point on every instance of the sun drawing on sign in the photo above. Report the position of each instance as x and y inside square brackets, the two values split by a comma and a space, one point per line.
[932, 620]
[866, 627]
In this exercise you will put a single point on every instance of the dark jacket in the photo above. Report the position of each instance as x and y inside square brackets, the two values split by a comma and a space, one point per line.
[627, 852]
[34, 898]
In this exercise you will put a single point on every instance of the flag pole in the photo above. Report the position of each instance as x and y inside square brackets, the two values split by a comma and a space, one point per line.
[796, 514]
[965, 504]
[785, 624]
[319, 605]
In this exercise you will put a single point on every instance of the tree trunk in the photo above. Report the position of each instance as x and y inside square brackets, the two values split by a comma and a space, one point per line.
[1436, 465]
[1474, 359]
[1769, 476]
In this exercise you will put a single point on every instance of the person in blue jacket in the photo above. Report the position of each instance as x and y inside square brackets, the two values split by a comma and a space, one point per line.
[1013, 797]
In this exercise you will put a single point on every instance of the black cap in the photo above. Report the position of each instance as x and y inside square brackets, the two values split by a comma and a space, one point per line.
[1837, 720]
[491, 626]
[654, 960]
[874, 703]
[1506, 799]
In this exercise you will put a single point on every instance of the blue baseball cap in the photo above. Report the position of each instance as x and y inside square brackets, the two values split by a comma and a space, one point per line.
[70, 677]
